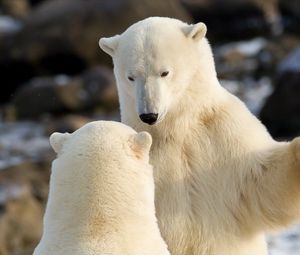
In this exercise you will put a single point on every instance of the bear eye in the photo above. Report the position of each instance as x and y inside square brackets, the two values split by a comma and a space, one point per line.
[164, 74]
[130, 78]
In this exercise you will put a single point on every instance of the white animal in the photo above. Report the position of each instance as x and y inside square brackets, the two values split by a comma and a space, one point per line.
[221, 180]
[101, 198]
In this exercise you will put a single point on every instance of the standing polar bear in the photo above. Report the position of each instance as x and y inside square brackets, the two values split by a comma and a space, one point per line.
[221, 180]
[101, 198]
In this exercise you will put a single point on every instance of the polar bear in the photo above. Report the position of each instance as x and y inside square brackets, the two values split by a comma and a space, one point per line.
[101, 198]
[221, 180]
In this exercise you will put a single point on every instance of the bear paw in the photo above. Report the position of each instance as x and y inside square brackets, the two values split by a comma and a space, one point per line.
[296, 147]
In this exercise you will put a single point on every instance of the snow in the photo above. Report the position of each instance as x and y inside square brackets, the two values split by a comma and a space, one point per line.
[285, 243]
[62, 79]
[248, 48]
[291, 62]
[10, 192]
[21, 141]
[252, 92]
[9, 24]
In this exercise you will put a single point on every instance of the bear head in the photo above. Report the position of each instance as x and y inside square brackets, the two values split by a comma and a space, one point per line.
[154, 62]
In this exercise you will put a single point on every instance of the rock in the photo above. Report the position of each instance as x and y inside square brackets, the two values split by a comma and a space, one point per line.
[43, 98]
[245, 18]
[34, 175]
[15, 8]
[252, 92]
[36, 2]
[95, 87]
[252, 59]
[238, 59]
[23, 193]
[291, 63]
[14, 73]
[22, 142]
[8, 113]
[281, 112]
[99, 85]
[20, 223]
[291, 6]
[62, 36]
[56, 33]
[272, 14]
[68, 123]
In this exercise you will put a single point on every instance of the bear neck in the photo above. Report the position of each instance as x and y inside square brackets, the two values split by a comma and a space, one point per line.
[89, 218]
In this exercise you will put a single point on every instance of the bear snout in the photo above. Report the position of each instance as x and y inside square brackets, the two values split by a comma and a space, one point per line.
[149, 118]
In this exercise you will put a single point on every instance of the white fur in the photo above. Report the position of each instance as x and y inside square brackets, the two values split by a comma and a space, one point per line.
[101, 198]
[221, 180]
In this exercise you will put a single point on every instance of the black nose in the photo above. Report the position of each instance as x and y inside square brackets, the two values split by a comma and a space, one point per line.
[149, 118]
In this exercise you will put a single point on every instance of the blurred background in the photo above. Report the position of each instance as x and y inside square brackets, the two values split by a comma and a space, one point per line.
[54, 77]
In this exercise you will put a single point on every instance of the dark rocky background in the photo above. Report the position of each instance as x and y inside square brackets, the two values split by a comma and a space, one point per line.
[54, 77]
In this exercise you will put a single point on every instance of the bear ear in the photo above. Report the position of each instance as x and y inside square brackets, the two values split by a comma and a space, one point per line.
[140, 144]
[109, 45]
[57, 141]
[195, 32]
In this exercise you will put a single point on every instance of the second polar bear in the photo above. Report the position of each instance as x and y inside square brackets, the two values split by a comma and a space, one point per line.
[221, 180]
[101, 198]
